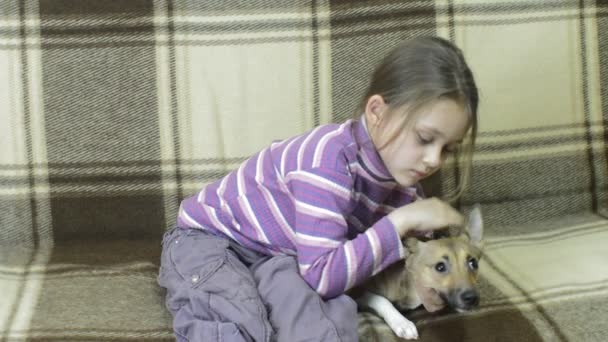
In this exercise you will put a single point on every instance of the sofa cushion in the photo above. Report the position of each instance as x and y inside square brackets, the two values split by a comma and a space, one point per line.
[550, 285]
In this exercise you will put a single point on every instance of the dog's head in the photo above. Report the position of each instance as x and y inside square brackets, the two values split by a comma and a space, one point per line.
[444, 270]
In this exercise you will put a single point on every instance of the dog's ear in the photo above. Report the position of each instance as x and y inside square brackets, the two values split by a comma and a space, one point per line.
[411, 244]
[475, 226]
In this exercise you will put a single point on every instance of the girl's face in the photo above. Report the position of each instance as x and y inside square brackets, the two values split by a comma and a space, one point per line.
[420, 149]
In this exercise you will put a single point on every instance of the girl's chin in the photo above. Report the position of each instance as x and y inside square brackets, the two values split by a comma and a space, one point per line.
[406, 181]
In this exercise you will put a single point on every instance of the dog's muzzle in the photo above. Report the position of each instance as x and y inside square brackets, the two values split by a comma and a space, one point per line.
[463, 299]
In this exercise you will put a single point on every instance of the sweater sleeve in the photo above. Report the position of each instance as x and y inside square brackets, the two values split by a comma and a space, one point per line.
[330, 262]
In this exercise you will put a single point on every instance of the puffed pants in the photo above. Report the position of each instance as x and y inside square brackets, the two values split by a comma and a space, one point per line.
[218, 290]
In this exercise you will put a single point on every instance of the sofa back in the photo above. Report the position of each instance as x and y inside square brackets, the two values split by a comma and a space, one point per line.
[112, 112]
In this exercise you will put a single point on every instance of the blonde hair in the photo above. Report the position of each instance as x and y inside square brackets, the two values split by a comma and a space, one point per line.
[419, 72]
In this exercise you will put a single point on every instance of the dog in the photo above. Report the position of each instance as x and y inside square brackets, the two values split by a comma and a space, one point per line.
[439, 272]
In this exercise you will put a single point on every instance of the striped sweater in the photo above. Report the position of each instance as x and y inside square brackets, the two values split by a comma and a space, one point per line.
[322, 196]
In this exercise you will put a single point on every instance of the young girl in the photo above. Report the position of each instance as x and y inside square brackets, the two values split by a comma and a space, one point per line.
[267, 252]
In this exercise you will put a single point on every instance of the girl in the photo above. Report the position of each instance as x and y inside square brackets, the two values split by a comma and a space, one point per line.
[267, 252]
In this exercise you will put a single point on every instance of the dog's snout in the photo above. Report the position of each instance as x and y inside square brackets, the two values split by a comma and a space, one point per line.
[469, 298]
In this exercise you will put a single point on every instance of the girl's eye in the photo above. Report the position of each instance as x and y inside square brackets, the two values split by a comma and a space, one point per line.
[450, 149]
[473, 264]
[424, 140]
[440, 267]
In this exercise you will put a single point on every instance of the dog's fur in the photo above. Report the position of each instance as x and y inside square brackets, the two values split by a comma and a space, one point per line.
[437, 273]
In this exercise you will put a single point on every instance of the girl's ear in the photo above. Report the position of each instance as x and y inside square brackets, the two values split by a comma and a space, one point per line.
[374, 110]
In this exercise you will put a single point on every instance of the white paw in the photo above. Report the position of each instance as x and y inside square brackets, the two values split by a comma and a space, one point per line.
[403, 327]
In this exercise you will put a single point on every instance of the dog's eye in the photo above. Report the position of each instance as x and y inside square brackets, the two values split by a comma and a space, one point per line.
[440, 267]
[473, 264]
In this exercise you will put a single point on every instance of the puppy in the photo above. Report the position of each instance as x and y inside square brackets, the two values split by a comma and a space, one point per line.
[437, 273]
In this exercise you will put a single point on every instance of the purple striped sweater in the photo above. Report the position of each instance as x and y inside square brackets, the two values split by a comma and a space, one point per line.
[322, 196]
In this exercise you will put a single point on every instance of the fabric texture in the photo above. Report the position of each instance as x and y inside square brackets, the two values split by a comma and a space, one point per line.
[113, 112]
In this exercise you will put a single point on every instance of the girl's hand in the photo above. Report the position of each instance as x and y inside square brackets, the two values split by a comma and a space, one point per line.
[424, 216]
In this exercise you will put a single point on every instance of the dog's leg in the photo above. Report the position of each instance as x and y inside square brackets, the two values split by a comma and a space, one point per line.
[401, 326]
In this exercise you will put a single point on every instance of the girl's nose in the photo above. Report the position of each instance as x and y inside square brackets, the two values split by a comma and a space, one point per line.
[432, 158]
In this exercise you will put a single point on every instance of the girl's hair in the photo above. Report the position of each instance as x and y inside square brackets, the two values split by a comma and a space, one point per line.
[419, 72]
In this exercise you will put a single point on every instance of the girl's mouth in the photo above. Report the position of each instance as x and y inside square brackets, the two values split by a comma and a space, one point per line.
[419, 174]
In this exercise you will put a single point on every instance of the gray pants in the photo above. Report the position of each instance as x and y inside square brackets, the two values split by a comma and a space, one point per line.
[218, 290]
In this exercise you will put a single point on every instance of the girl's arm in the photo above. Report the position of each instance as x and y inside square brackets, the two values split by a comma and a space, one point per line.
[425, 215]
[328, 261]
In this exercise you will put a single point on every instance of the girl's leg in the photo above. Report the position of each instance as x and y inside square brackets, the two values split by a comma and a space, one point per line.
[210, 293]
[296, 311]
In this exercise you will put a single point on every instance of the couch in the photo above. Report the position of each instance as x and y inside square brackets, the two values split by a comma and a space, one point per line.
[113, 111]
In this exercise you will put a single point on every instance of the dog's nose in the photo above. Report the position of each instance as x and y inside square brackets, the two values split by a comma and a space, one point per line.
[469, 298]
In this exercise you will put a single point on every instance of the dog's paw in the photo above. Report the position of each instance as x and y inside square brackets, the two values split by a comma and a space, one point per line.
[403, 327]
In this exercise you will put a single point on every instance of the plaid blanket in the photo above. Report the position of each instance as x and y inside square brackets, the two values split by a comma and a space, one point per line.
[113, 111]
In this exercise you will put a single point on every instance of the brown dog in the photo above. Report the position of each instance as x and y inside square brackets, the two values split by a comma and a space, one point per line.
[436, 273]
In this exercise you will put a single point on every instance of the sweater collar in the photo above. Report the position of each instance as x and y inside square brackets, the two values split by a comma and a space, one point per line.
[368, 156]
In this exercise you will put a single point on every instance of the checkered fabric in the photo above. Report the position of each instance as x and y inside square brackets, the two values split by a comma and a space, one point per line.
[113, 111]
